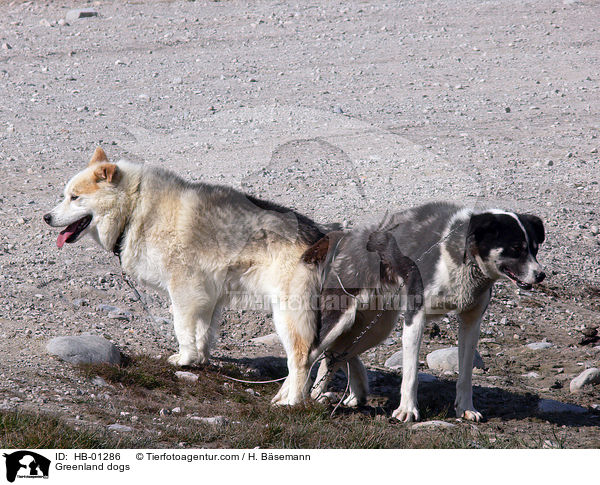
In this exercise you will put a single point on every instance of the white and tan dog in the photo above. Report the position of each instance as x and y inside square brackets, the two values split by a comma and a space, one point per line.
[205, 245]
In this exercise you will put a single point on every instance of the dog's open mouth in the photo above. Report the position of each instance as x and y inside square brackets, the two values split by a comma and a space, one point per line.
[69, 234]
[520, 284]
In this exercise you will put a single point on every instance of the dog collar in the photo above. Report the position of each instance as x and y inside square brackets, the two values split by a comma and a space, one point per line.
[118, 245]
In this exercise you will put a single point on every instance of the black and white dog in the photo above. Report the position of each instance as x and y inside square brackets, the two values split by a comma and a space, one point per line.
[459, 254]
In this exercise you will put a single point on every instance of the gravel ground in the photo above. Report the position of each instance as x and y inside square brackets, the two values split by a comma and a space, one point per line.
[343, 111]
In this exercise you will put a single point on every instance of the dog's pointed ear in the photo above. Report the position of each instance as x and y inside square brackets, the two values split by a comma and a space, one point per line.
[108, 172]
[534, 227]
[98, 157]
[317, 253]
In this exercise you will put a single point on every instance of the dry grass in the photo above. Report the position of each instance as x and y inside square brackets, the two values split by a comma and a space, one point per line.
[27, 430]
[143, 387]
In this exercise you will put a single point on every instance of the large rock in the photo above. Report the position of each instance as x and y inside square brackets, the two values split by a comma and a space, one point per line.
[446, 360]
[586, 378]
[552, 406]
[84, 349]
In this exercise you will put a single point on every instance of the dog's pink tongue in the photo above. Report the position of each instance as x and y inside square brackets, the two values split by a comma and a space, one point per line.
[65, 234]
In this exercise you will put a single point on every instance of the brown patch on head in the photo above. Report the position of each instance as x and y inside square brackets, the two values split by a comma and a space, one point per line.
[106, 171]
[98, 156]
[85, 186]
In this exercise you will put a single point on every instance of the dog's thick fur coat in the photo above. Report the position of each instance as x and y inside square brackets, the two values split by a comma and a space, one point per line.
[205, 245]
[459, 254]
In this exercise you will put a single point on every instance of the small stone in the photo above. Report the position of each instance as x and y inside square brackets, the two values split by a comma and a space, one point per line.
[124, 316]
[338, 110]
[586, 378]
[162, 321]
[119, 427]
[10, 128]
[99, 381]
[62, 22]
[108, 308]
[165, 412]
[186, 376]
[446, 360]
[80, 13]
[507, 109]
[549, 163]
[177, 80]
[252, 392]
[45, 23]
[539, 345]
[6, 46]
[119, 62]
[79, 302]
[433, 424]
[595, 230]
[394, 361]
[144, 97]
[552, 406]
[271, 339]
[214, 420]
[532, 375]
[176, 410]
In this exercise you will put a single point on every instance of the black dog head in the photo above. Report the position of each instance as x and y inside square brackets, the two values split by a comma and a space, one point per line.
[505, 244]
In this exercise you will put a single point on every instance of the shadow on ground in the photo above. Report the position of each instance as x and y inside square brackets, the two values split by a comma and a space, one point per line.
[436, 399]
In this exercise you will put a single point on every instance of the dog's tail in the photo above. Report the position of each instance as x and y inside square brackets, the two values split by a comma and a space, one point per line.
[397, 270]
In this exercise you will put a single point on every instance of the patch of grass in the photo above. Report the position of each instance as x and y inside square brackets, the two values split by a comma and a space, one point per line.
[137, 373]
[28, 430]
[254, 422]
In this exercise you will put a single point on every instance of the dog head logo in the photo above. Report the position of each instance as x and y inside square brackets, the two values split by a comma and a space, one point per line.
[26, 464]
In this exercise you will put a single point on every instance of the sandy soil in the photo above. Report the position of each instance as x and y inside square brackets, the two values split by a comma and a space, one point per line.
[342, 111]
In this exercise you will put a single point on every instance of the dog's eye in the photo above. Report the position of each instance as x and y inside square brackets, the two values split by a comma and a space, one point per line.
[74, 197]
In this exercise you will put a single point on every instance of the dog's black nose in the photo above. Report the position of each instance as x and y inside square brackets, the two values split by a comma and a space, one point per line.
[539, 277]
[47, 218]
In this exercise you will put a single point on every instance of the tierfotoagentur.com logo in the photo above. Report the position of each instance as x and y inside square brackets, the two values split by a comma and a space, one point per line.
[26, 464]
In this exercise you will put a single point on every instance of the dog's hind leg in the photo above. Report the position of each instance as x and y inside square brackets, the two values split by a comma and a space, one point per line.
[468, 335]
[327, 370]
[412, 334]
[359, 383]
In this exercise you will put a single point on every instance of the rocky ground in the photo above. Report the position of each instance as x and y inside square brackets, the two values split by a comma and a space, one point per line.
[342, 111]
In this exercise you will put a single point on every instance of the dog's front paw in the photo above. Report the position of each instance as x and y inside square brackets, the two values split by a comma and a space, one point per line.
[322, 397]
[470, 415]
[285, 401]
[281, 395]
[353, 401]
[181, 360]
[406, 414]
